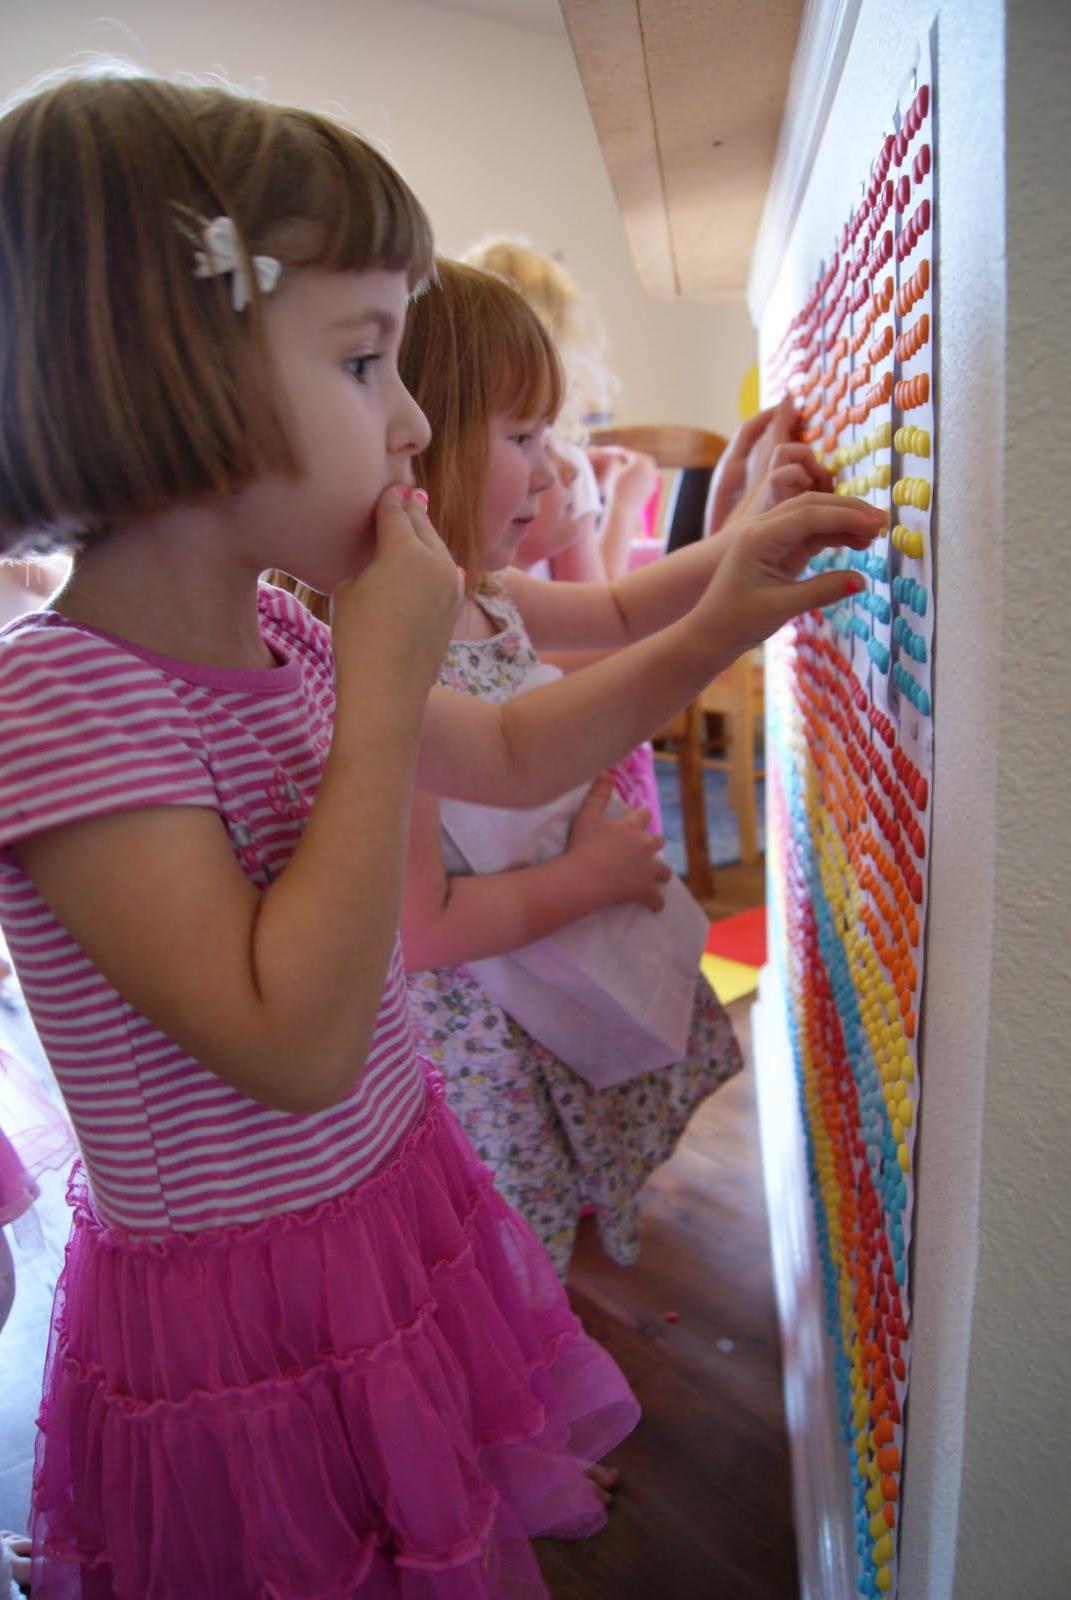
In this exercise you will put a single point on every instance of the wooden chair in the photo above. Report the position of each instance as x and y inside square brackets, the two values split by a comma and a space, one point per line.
[690, 453]
[737, 694]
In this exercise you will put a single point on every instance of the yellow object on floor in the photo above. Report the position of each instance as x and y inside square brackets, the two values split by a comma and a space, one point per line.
[729, 979]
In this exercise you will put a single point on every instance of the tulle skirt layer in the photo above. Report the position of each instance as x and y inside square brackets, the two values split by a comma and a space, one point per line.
[382, 1398]
[34, 1136]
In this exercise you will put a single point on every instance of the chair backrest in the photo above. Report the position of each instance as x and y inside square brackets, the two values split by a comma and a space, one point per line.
[672, 445]
[689, 453]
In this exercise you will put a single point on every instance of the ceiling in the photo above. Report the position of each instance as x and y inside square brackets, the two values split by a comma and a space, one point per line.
[686, 97]
[543, 15]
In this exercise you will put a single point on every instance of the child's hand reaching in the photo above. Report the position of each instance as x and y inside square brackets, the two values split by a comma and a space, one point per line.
[747, 461]
[757, 588]
[619, 852]
[404, 604]
[793, 470]
[625, 476]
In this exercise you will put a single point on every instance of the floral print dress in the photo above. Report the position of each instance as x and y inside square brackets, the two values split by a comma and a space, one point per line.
[555, 1143]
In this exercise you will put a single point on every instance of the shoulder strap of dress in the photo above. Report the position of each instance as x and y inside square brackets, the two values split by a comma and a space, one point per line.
[492, 594]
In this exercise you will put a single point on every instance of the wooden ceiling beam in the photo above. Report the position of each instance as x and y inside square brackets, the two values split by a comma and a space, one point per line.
[686, 97]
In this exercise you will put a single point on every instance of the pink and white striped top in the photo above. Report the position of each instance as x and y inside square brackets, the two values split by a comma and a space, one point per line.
[90, 724]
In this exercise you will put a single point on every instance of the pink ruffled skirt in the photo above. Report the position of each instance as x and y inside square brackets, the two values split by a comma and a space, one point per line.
[34, 1136]
[385, 1396]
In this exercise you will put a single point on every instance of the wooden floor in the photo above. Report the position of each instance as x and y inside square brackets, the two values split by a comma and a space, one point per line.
[704, 1510]
[736, 888]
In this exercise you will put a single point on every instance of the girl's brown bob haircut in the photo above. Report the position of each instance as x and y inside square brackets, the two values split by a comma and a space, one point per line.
[473, 349]
[126, 383]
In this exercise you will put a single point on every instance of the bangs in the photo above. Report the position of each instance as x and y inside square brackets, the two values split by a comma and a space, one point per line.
[129, 381]
[333, 201]
[521, 365]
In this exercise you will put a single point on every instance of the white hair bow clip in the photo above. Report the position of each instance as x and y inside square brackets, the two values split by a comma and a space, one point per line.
[222, 254]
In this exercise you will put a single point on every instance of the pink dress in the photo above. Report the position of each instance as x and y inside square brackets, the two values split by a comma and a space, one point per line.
[310, 1355]
[34, 1136]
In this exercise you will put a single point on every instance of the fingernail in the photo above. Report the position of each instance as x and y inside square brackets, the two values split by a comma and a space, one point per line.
[421, 497]
[854, 583]
[403, 490]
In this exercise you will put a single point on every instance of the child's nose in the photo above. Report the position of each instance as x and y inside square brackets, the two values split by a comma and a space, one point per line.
[411, 430]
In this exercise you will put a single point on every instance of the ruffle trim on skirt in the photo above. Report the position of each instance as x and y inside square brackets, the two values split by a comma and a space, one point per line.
[382, 1398]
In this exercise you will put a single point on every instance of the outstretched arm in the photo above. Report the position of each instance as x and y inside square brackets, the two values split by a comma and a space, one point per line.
[630, 481]
[607, 616]
[542, 743]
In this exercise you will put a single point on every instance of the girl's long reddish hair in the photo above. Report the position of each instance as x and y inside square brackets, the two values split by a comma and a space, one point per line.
[473, 349]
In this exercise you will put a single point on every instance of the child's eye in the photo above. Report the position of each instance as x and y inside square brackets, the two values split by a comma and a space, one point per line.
[359, 366]
[522, 438]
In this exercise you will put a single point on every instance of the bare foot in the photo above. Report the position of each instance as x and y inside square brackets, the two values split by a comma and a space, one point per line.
[17, 1551]
[605, 1481]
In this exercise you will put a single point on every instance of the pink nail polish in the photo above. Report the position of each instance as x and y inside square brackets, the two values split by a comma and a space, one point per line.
[854, 583]
[404, 491]
[421, 497]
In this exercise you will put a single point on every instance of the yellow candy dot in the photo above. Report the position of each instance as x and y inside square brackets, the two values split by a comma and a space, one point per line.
[883, 1548]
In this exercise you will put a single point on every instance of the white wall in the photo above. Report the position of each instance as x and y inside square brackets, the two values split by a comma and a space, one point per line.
[485, 117]
[1014, 1537]
[988, 1414]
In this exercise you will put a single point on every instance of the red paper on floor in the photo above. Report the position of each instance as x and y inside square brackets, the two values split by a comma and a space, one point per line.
[741, 938]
